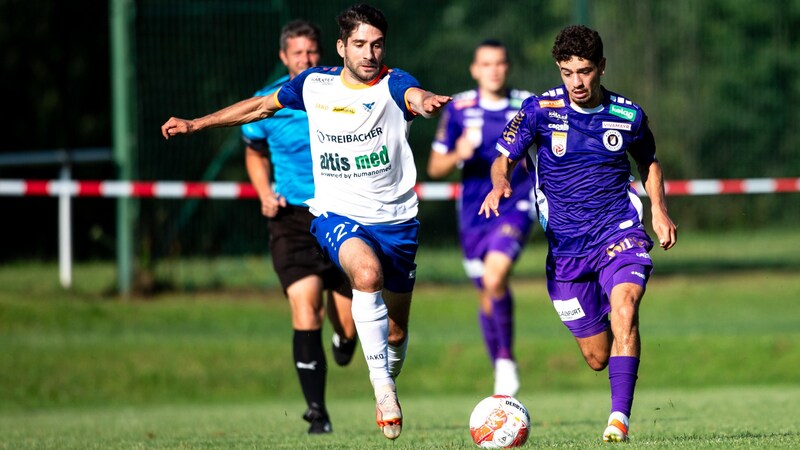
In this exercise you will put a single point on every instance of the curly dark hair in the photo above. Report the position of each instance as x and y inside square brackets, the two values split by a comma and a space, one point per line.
[580, 41]
[355, 15]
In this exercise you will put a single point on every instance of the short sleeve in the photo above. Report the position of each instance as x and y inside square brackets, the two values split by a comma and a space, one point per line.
[254, 136]
[447, 131]
[291, 94]
[643, 147]
[519, 132]
[401, 81]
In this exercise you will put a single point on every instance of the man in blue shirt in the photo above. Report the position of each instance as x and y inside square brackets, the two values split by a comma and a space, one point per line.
[577, 138]
[279, 150]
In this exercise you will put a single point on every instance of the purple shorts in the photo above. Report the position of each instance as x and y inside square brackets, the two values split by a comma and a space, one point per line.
[506, 234]
[580, 287]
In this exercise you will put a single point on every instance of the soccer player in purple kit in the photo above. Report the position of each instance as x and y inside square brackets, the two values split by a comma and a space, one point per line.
[465, 139]
[577, 138]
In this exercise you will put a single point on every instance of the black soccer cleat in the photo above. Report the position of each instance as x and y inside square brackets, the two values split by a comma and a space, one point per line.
[342, 349]
[319, 420]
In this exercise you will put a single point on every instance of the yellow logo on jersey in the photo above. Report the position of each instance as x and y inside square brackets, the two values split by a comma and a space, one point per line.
[551, 103]
[344, 109]
[510, 133]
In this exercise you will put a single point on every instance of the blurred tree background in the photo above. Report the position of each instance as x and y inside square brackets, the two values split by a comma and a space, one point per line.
[56, 94]
[717, 79]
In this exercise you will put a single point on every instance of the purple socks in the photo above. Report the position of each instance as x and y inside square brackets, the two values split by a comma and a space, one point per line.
[503, 315]
[498, 329]
[489, 334]
[622, 374]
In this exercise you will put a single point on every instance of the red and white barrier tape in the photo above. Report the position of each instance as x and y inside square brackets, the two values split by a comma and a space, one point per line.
[425, 191]
[143, 189]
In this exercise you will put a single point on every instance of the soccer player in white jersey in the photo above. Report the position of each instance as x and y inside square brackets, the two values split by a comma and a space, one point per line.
[364, 176]
[281, 147]
[577, 138]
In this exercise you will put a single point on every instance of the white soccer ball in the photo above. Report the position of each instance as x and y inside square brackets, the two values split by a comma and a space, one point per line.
[499, 421]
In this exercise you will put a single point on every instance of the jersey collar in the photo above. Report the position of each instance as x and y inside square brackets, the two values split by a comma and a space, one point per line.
[384, 70]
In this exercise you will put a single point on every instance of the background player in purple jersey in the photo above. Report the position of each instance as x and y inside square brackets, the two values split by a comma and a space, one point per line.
[281, 148]
[578, 137]
[465, 139]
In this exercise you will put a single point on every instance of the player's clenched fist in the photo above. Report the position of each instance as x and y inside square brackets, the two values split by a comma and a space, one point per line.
[175, 126]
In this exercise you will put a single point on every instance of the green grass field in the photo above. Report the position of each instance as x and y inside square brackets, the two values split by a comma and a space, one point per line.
[211, 368]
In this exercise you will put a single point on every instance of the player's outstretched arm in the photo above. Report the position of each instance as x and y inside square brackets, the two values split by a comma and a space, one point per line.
[245, 111]
[426, 103]
[653, 182]
[501, 186]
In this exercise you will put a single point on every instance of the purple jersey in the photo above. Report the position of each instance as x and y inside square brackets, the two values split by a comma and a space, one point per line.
[580, 167]
[482, 122]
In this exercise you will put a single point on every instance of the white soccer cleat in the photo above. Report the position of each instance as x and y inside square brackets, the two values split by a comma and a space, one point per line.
[506, 379]
[617, 429]
[388, 414]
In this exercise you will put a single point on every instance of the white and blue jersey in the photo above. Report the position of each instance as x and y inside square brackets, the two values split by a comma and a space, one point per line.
[362, 163]
[285, 135]
[581, 172]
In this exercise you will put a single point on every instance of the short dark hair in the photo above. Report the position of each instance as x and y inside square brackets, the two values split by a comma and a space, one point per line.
[580, 41]
[300, 28]
[355, 15]
[492, 43]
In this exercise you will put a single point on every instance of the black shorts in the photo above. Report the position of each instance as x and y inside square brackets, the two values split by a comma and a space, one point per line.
[296, 253]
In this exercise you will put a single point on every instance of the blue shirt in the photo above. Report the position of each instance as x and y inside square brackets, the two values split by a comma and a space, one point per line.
[582, 175]
[286, 136]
